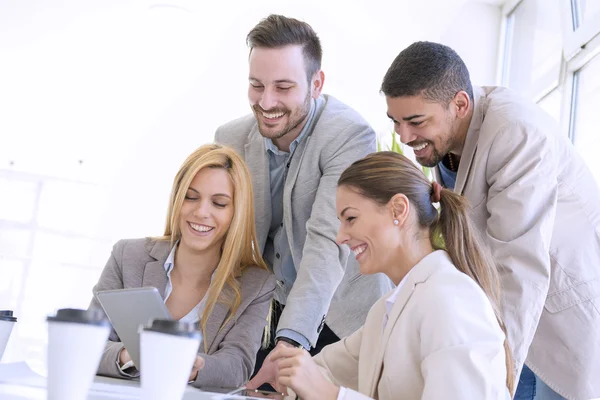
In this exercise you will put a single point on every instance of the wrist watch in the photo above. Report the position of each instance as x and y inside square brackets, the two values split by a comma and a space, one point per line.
[289, 341]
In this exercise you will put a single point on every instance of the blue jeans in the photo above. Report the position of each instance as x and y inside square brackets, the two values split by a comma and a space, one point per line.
[530, 387]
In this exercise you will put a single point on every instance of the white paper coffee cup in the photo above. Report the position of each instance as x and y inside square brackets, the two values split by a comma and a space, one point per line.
[76, 340]
[7, 321]
[168, 350]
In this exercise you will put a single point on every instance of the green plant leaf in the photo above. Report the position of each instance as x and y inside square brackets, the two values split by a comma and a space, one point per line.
[396, 146]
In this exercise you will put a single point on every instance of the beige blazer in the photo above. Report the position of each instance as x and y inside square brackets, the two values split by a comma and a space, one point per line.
[539, 207]
[441, 341]
[231, 350]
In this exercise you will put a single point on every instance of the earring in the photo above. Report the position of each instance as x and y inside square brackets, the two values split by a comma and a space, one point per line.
[396, 222]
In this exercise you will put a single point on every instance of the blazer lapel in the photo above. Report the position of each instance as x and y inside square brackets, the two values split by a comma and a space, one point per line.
[379, 349]
[295, 163]
[417, 275]
[154, 272]
[289, 183]
[470, 147]
[257, 159]
[294, 169]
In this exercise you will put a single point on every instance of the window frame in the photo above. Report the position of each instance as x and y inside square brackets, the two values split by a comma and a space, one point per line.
[505, 49]
[577, 33]
[581, 43]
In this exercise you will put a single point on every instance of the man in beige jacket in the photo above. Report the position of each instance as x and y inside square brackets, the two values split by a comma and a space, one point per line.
[534, 199]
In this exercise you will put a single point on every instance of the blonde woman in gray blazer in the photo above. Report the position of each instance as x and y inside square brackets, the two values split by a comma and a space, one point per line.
[206, 268]
[534, 198]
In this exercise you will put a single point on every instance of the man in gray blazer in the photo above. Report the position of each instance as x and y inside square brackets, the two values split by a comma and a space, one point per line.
[534, 199]
[297, 142]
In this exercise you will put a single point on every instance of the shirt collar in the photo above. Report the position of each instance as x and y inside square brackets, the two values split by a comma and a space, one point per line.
[170, 261]
[478, 112]
[391, 300]
[270, 146]
[420, 273]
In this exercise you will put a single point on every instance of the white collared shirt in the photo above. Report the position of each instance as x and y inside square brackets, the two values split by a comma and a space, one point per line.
[391, 300]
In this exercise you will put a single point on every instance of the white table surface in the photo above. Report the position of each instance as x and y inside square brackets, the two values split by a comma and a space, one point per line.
[20, 392]
[19, 382]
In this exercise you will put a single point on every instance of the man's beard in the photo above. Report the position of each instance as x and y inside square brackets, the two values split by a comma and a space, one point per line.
[446, 145]
[294, 119]
[436, 155]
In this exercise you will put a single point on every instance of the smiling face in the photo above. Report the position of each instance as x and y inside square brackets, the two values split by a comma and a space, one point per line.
[279, 91]
[431, 129]
[207, 211]
[368, 229]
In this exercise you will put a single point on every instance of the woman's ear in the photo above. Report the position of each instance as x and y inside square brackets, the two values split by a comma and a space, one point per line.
[399, 207]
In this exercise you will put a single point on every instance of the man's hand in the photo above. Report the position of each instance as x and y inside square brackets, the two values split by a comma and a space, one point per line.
[198, 365]
[297, 370]
[268, 371]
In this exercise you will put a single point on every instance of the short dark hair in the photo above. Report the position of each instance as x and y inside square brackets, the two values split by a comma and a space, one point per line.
[278, 31]
[430, 69]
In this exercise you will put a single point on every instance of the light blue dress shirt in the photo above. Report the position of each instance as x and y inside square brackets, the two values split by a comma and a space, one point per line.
[448, 176]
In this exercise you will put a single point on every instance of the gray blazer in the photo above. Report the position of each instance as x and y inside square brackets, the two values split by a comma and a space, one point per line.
[328, 286]
[231, 350]
[539, 207]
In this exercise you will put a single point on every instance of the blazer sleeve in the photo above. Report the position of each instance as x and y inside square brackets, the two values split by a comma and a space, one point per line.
[523, 193]
[111, 278]
[461, 345]
[233, 362]
[323, 261]
[339, 361]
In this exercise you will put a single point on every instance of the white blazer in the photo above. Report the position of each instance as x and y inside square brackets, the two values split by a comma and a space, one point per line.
[441, 341]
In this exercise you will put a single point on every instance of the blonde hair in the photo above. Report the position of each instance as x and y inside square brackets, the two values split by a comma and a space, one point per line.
[240, 248]
[379, 176]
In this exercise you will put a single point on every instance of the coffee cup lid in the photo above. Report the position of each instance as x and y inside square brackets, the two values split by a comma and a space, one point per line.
[91, 317]
[7, 315]
[176, 328]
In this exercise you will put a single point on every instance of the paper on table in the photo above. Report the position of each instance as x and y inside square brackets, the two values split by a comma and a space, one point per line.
[20, 373]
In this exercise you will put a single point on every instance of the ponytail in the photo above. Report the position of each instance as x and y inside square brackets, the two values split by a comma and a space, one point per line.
[464, 244]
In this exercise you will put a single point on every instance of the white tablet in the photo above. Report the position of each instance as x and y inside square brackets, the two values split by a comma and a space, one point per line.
[127, 309]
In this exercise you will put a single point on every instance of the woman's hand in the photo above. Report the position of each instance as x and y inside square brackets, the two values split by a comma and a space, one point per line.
[198, 365]
[298, 371]
[124, 357]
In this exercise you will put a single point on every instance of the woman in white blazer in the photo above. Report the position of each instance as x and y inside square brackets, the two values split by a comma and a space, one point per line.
[438, 335]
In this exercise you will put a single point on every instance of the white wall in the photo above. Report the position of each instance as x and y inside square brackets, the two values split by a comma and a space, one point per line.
[474, 34]
[101, 101]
